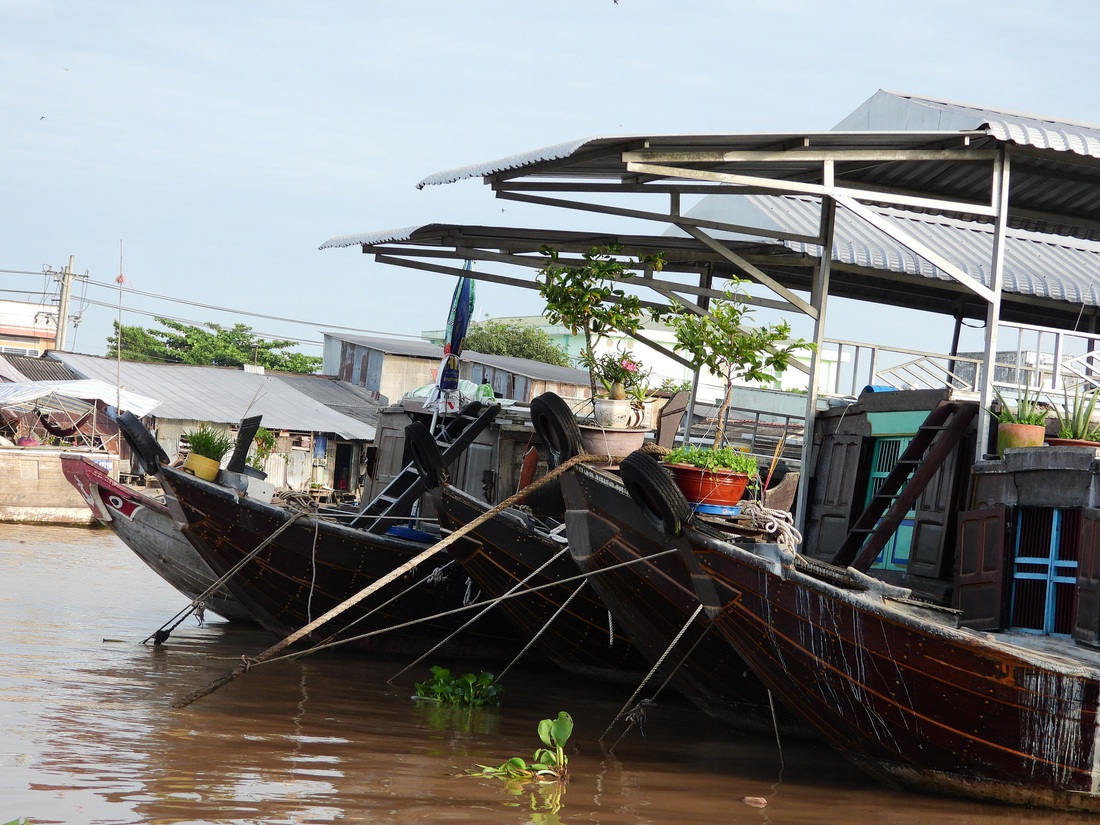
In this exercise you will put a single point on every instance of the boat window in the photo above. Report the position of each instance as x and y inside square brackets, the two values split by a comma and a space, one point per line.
[1046, 550]
[895, 555]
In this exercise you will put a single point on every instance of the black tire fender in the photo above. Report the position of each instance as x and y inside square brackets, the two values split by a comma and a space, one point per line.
[656, 494]
[425, 454]
[141, 441]
[557, 428]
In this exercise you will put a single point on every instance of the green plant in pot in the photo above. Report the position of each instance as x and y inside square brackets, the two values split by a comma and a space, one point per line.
[1023, 425]
[207, 447]
[585, 296]
[717, 476]
[1075, 416]
[717, 339]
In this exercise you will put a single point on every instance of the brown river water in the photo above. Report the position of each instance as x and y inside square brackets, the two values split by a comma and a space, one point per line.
[88, 735]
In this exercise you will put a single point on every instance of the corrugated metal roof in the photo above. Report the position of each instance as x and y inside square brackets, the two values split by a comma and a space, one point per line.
[1052, 190]
[886, 111]
[39, 368]
[344, 397]
[221, 395]
[425, 349]
[1036, 265]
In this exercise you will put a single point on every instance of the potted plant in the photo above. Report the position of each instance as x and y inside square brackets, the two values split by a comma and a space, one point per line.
[626, 382]
[585, 297]
[1075, 427]
[717, 339]
[711, 476]
[1024, 426]
[207, 448]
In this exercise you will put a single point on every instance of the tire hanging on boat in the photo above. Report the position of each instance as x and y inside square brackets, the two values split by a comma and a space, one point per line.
[425, 454]
[557, 428]
[656, 494]
[141, 441]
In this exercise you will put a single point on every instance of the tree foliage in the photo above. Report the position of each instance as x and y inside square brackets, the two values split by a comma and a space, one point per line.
[717, 340]
[515, 339]
[211, 345]
[587, 297]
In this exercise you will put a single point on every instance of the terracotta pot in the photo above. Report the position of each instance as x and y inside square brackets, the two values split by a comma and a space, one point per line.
[201, 466]
[1012, 436]
[1072, 442]
[612, 442]
[715, 487]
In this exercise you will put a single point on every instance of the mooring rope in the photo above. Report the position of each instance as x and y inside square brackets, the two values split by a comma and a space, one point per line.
[382, 581]
[656, 666]
[435, 577]
[489, 606]
[542, 630]
[160, 634]
[453, 611]
[777, 523]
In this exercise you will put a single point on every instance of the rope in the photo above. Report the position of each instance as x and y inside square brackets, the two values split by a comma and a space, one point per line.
[656, 665]
[542, 630]
[394, 574]
[435, 577]
[456, 610]
[479, 614]
[777, 523]
[161, 635]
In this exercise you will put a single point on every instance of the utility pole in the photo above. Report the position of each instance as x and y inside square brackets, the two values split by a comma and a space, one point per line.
[63, 306]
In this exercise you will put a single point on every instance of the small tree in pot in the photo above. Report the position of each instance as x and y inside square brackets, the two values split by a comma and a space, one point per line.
[716, 339]
[586, 298]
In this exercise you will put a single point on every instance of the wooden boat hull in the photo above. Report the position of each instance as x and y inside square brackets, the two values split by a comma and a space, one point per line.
[910, 699]
[510, 549]
[145, 526]
[314, 565]
[649, 591]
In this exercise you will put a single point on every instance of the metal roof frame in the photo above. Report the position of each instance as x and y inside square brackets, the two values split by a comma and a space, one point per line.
[995, 174]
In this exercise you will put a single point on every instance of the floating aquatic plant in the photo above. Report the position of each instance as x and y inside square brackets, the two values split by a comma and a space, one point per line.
[549, 764]
[467, 689]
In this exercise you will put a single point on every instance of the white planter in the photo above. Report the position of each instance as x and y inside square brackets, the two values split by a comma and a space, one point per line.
[614, 414]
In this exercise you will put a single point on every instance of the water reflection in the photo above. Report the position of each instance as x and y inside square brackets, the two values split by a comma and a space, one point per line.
[87, 733]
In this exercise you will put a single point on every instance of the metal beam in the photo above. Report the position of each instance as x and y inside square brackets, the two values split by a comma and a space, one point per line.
[659, 217]
[752, 271]
[801, 155]
[783, 187]
[917, 246]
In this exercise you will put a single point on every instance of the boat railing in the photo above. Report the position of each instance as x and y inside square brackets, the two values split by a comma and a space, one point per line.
[857, 365]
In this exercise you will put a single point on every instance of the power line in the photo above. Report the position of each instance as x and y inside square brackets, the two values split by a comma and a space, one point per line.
[244, 312]
[153, 314]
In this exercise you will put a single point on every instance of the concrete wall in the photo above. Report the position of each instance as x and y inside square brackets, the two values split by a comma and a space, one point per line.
[33, 488]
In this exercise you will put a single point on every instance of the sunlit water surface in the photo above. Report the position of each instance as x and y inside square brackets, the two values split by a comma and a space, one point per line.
[88, 735]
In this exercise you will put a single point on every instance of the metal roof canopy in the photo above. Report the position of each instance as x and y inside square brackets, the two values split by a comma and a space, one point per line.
[1004, 177]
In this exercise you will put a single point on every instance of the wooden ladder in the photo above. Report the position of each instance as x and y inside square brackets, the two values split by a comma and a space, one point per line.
[933, 442]
[397, 498]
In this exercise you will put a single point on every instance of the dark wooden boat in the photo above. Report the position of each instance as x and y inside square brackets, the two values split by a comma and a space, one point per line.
[651, 595]
[144, 525]
[895, 684]
[315, 564]
[515, 552]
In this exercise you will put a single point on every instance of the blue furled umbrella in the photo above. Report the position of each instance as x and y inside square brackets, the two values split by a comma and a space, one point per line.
[446, 398]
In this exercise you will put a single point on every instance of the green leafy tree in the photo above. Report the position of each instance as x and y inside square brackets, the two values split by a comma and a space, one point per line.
[587, 297]
[717, 340]
[211, 344]
[515, 339]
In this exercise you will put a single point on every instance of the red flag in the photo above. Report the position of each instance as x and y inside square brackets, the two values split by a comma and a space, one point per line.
[120, 279]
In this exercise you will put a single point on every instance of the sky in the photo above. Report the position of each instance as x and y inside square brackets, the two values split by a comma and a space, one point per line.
[206, 149]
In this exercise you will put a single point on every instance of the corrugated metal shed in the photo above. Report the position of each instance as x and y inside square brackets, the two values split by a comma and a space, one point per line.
[342, 396]
[39, 369]
[536, 370]
[221, 395]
